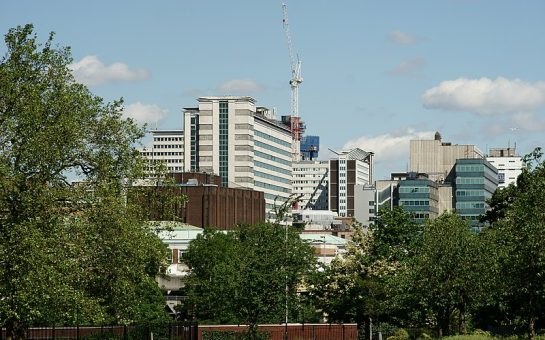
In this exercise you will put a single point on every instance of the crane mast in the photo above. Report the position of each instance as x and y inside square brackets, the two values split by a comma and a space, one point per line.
[297, 126]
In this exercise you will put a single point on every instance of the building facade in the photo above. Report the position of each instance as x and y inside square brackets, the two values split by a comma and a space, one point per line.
[310, 183]
[310, 147]
[243, 144]
[476, 181]
[437, 158]
[346, 170]
[420, 197]
[167, 148]
[508, 164]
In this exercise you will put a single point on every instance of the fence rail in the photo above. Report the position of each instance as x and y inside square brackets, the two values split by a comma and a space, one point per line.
[157, 331]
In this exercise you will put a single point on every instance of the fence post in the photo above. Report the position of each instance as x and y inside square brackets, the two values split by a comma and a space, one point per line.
[53, 330]
[77, 331]
[343, 330]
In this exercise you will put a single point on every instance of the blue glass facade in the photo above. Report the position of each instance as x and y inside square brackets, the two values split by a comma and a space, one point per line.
[310, 146]
[476, 181]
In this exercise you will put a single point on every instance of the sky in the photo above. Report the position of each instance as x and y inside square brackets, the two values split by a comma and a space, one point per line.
[376, 73]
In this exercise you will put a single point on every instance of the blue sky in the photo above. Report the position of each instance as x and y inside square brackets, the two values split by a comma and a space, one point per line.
[376, 73]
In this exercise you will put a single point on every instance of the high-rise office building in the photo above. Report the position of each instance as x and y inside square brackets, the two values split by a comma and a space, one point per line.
[436, 158]
[347, 169]
[243, 144]
[168, 148]
[310, 183]
[476, 181]
[419, 196]
[508, 163]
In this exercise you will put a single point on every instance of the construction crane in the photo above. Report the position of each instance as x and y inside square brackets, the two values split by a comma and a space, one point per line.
[297, 126]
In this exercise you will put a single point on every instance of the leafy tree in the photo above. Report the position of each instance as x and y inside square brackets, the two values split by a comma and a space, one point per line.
[520, 233]
[246, 275]
[444, 276]
[396, 235]
[68, 253]
[358, 286]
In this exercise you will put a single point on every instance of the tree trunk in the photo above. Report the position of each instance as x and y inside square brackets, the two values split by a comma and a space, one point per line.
[531, 328]
[252, 331]
[443, 318]
[462, 320]
[15, 330]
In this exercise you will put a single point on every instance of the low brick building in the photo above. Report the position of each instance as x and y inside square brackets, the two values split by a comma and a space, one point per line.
[207, 205]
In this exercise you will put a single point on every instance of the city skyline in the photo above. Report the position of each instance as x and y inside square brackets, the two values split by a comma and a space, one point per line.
[375, 74]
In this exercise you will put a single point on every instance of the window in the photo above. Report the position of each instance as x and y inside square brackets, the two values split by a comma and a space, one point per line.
[181, 255]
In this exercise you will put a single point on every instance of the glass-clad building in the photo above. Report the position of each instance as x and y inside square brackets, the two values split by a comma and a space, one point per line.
[310, 146]
[420, 197]
[476, 181]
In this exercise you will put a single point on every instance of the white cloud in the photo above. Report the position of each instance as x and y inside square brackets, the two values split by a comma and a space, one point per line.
[240, 86]
[390, 146]
[408, 67]
[391, 149]
[402, 38]
[144, 113]
[485, 96]
[91, 71]
[528, 122]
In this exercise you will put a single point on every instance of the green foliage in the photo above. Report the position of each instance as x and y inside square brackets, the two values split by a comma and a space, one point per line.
[399, 334]
[519, 234]
[68, 253]
[241, 276]
[444, 276]
[396, 235]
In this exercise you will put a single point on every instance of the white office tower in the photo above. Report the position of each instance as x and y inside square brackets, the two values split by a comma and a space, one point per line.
[243, 144]
[508, 163]
[310, 182]
[167, 147]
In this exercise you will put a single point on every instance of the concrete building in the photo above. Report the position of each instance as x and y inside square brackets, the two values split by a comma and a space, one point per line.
[310, 182]
[365, 203]
[476, 181]
[508, 164]
[346, 170]
[242, 143]
[437, 158]
[168, 148]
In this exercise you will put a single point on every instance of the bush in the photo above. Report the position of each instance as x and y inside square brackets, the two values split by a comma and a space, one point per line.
[399, 334]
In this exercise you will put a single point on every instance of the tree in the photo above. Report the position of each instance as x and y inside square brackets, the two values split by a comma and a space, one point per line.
[68, 253]
[357, 287]
[444, 276]
[520, 233]
[245, 276]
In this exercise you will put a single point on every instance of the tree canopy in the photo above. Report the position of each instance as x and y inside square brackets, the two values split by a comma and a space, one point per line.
[245, 276]
[69, 253]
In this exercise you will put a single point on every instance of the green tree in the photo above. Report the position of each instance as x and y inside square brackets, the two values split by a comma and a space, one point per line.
[358, 287]
[68, 253]
[443, 279]
[245, 276]
[520, 233]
